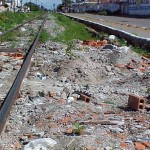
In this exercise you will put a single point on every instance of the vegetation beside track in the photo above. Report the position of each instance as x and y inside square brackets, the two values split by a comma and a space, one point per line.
[73, 30]
[9, 20]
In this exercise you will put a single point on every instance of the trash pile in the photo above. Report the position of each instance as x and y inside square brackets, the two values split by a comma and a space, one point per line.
[82, 99]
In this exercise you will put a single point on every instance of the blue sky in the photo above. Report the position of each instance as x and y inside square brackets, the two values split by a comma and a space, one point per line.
[49, 3]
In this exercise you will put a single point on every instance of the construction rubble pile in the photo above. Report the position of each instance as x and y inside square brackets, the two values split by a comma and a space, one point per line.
[91, 96]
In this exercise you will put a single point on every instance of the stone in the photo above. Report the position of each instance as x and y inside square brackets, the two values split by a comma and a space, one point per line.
[116, 130]
[43, 143]
[64, 96]
[108, 148]
[70, 99]
[108, 68]
[108, 47]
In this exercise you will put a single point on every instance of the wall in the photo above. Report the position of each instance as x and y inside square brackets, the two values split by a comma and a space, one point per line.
[139, 7]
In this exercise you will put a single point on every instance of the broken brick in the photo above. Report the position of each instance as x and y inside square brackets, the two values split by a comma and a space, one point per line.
[120, 66]
[66, 120]
[17, 145]
[139, 146]
[147, 144]
[85, 98]
[69, 131]
[136, 102]
[52, 125]
[52, 94]
[124, 146]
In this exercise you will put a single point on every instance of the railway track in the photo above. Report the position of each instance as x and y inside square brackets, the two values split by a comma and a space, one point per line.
[71, 101]
[23, 60]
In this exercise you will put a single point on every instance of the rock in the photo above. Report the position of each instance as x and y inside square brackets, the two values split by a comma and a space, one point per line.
[70, 99]
[64, 96]
[75, 96]
[108, 148]
[108, 68]
[116, 130]
[38, 144]
[108, 47]
[147, 132]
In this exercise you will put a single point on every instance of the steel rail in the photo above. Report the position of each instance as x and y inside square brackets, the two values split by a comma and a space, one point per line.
[14, 90]
[19, 26]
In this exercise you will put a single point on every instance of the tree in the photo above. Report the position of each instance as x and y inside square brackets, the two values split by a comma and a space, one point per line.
[66, 2]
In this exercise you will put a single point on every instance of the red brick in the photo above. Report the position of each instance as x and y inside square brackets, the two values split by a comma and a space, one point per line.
[69, 131]
[52, 125]
[139, 146]
[124, 146]
[120, 66]
[147, 144]
[66, 120]
[52, 94]
[136, 102]
[85, 98]
[17, 145]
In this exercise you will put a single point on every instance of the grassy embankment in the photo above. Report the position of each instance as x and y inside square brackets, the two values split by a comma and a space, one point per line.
[75, 30]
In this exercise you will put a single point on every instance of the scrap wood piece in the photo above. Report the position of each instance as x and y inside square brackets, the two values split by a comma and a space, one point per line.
[102, 122]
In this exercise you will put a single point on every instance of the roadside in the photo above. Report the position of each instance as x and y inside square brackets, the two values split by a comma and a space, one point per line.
[135, 30]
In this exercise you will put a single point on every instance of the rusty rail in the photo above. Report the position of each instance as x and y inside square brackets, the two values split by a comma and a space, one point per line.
[14, 90]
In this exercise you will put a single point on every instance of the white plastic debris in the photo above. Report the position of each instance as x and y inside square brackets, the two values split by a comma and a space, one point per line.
[124, 49]
[38, 144]
[40, 76]
[112, 38]
[22, 29]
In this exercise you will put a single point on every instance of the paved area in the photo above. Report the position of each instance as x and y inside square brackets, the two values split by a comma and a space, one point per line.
[135, 26]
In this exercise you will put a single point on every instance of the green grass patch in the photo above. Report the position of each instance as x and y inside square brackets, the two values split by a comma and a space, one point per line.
[73, 30]
[140, 50]
[11, 36]
[9, 19]
[44, 36]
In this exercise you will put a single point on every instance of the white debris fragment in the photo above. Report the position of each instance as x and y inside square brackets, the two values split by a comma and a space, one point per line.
[38, 144]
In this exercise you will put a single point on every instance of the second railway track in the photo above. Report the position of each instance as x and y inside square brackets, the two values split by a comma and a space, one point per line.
[19, 62]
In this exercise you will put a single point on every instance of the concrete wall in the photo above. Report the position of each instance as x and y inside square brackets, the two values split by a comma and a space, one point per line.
[95, 7]
[139, 7]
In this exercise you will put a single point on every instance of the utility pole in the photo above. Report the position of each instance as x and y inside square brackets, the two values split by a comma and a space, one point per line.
[11, 4]
[21, 5]
[84, 6]
[30, 5]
